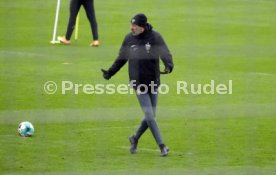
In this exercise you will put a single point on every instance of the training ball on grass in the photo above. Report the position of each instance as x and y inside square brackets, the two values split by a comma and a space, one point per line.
[25, 129]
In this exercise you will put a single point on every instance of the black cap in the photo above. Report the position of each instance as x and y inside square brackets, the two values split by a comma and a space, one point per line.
[140, 20]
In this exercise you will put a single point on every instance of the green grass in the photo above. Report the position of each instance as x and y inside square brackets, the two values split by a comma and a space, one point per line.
[88, 134]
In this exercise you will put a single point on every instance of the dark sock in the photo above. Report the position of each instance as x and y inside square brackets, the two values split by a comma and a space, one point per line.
[161, 146]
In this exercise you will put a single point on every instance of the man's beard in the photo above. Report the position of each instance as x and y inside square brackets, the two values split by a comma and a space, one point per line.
[136, 33]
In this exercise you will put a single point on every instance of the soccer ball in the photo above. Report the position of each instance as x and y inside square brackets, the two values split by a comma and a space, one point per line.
[25, 129]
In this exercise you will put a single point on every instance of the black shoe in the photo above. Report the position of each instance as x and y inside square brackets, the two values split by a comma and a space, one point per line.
[164, 150]
[133, 144]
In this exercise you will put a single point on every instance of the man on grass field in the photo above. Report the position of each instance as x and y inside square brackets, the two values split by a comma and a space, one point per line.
[143, 48]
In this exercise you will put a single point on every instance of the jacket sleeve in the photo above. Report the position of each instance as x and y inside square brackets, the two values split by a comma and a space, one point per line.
[164, 53]
[121, 59]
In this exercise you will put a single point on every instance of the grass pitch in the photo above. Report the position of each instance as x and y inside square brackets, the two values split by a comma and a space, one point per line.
[88, 134]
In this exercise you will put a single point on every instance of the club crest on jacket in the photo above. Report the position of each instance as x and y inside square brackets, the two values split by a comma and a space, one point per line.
[148, 46]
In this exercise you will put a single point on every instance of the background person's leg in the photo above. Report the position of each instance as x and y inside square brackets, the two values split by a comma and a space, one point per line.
[90, 13]
[74, 10]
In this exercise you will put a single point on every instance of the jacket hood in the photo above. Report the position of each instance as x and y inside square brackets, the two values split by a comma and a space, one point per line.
[148, 29]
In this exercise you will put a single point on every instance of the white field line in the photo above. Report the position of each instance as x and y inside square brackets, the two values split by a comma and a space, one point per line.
[23, 53]
[119, 127]
[8, 135]
[106, 128]
[190, 170]
[150, 150]
[229, 22]
[262, 73]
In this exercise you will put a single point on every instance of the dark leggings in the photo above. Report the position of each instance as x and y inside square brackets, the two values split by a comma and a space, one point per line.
[148, 104]
[90, 13]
